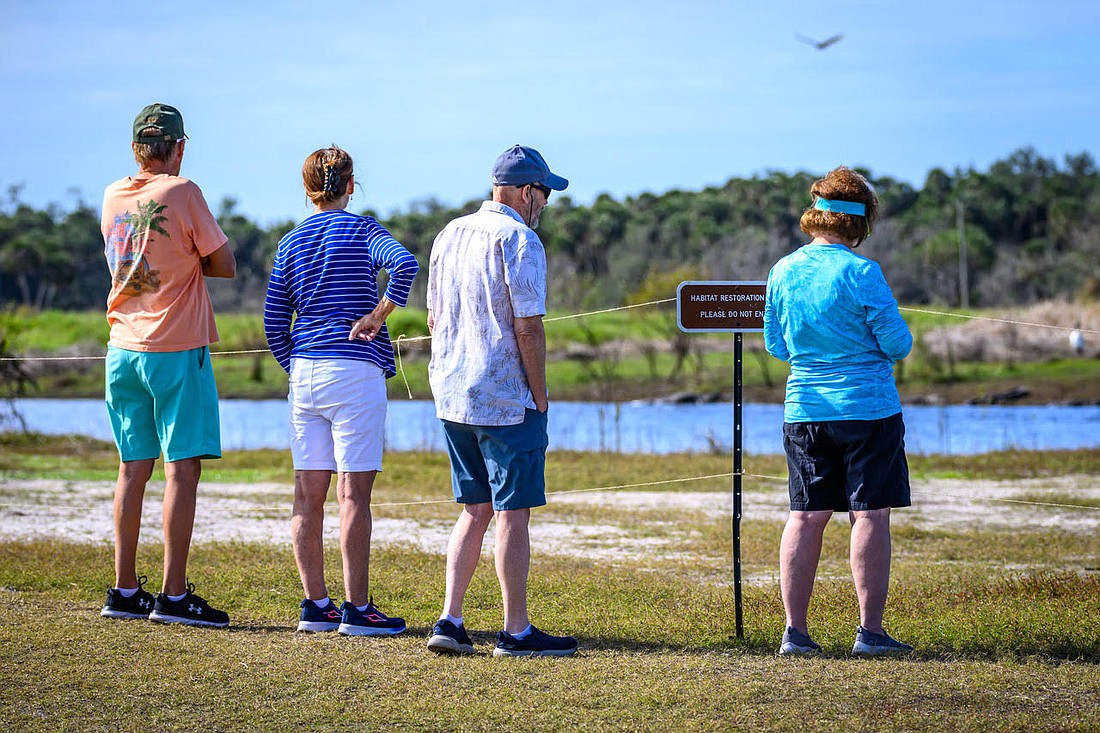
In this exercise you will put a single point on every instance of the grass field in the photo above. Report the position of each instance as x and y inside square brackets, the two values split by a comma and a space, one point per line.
[996, 582]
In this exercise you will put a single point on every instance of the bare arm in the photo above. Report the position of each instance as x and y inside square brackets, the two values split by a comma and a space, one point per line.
[531, 339]
[220, 263]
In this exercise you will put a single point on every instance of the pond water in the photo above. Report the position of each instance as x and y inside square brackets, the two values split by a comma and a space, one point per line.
[633, 427]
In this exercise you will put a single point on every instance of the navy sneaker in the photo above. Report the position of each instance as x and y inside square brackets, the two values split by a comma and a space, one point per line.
[450, 639]
[192, 610]
[874, 645]
[795, 643]
[536, 644]
[319, 619]
[370, 622]
[138, 605]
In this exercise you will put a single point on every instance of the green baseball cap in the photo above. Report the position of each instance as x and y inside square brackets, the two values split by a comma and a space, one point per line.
[158, 123]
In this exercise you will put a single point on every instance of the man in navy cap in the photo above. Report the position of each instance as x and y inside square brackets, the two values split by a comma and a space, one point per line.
[486, 300]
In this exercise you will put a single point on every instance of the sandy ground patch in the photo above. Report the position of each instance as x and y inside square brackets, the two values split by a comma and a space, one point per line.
[80, 511]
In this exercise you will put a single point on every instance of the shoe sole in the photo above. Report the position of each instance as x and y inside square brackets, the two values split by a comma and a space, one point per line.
[315, 626]
[866, 650]
[352, 630]
[166, 619]
[794, 650]
[498, 652]
[447, 645]
[109, 612]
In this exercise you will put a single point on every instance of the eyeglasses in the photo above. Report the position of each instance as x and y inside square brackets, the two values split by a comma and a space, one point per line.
[544, 189]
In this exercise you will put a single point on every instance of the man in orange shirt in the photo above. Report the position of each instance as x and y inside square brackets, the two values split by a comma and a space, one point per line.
[160, 240]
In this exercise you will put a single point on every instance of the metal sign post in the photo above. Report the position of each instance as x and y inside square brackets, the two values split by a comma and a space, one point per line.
[726, 307]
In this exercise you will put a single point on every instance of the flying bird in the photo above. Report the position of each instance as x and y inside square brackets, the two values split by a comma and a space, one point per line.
[819, 45]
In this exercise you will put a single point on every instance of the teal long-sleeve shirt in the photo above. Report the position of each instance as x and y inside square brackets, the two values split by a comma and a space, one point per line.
[830, 314]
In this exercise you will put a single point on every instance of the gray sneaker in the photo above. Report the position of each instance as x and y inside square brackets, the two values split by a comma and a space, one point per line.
[795, 643]
[877, 645]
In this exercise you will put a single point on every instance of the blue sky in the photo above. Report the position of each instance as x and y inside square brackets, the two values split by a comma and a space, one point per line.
[621, 97]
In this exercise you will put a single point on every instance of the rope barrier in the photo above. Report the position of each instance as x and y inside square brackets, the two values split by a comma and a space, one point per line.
[1020, 501]
[993, 319]
[414, 339]
[664, 482]
[405, 339]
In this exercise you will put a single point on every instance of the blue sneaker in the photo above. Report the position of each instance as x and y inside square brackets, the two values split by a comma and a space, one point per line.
[138, 605]
[192, 610]
[795, 644]
[370, 622]
[450, 639]
[536, 644]
[868, 644]
[319, 619]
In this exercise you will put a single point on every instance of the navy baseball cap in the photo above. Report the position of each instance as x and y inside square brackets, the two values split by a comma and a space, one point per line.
[521, 165]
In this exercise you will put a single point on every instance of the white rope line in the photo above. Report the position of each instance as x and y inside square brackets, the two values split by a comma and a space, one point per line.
[52, 358]
[415, 339]
[570, 491]
[548, 493]
[638, 486]
[397, 342]
[686, 479]
[400, 366]
[1013, 501]
[610, 310]
[993, 319]
[403, 338]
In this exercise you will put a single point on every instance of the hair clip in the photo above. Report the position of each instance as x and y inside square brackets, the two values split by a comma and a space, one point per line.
[332, 179]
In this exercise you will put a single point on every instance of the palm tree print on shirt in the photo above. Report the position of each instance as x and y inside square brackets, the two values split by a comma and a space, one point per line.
[129, 241]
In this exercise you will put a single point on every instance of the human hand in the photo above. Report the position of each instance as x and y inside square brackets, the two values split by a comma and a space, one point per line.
[367, 327]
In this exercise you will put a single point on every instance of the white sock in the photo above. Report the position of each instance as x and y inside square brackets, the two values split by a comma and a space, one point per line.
[363, 608]
[177, 599]
[127, 592]
[523, 634]
[456, 620]
[323, 603]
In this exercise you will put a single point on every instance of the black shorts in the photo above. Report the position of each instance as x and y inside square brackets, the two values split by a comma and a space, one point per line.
[847, 465]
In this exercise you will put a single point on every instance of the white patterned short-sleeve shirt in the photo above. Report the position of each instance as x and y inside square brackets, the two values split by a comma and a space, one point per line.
[486, 269]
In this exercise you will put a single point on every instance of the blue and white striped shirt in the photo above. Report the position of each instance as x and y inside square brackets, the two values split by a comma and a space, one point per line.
[325, 277]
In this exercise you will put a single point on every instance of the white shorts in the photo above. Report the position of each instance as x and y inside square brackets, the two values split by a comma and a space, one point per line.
[337, 415]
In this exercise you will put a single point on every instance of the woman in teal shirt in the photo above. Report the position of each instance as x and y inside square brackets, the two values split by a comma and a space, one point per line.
[831, 315]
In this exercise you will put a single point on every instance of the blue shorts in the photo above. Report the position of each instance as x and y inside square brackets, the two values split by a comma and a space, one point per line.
[504, 464]
[847, 465]
[163, 402]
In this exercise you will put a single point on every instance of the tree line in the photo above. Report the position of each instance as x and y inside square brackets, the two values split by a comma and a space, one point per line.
[1025, 230]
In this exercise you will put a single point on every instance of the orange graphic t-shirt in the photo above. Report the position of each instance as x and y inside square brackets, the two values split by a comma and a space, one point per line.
[156, 228]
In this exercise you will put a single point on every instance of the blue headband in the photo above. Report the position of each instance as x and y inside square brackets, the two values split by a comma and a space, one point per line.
[841, 207]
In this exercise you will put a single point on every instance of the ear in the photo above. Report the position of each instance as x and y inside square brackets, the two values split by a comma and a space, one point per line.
[351, 185]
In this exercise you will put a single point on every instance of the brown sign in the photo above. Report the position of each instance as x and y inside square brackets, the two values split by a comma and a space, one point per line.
[720, 306]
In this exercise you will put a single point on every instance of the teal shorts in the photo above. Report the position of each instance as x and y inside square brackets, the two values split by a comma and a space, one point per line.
[163, 403]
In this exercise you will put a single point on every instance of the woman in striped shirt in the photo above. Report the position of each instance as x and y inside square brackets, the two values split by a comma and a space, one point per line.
[324, 279]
